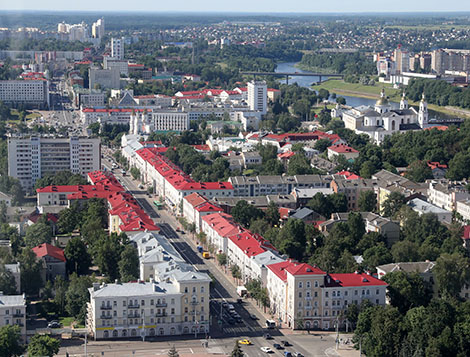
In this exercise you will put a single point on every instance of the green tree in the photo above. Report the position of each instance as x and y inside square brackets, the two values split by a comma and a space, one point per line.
[129, 264]
[222, 258]
[31, 268]
[407, 290]
[299, 165]
[10, 337]
[107, 254]
[244, 213]
[37, 234]
[237, 351]
[451, 273]
[322, 144]
[367, 201]
[78, 259]
[405, 251]
[77, 296]
[69, 220]
[43, 345]
[272, 215]
[321, 204]
[419, 171]
[236, 273]
[459, 167]
[392, 204]
[60, 290]
[377, 255]
[7, 281]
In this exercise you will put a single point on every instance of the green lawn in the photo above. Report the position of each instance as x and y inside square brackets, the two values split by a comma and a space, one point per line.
[339, 86]
[66, 321]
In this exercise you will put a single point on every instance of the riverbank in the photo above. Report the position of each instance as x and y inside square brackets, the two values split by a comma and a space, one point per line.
[373, 92]
[320, 70]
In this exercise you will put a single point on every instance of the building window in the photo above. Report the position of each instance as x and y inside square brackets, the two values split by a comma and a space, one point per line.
[326, 294]
[377, 292]
[300, 285]
[308, 284]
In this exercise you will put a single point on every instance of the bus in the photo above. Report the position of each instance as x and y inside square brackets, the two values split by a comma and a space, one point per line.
[157, 204]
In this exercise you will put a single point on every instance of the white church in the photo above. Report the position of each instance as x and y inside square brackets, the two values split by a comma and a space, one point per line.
[383, 120]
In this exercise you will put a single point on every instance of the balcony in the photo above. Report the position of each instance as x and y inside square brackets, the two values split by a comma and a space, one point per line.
[133, 306]
[133, 316]
[105, 317]
[18, 314]
[160, 314]
[308, 307]
[105, 307]
[194, 302]
[161, 305]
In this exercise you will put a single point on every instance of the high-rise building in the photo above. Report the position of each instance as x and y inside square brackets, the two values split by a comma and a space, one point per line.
[26, 92]
[402, 61]
[30, 158]
[97, 29]
[257, 96]
[117, 48]
[104, 78]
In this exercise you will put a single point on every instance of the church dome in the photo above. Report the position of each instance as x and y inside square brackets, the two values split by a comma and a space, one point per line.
[382, 101]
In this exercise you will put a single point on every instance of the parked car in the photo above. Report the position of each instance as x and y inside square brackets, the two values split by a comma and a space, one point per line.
[298, 354]
[287, 354]
[253, 317]
[245, 341]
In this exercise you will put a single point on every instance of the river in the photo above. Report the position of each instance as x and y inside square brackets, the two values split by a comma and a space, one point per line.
[307, 82]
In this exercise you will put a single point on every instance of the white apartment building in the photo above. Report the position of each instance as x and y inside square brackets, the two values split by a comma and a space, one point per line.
[445, 194]
[463, 208]
[195, 207]
[117, 48]
[342, 290]
[97, 29]
[295, 294]
[13, 312]
[176, 306]
[258, 96]
[26, 92]
[109, 116]
[218, 227]
[29, 158]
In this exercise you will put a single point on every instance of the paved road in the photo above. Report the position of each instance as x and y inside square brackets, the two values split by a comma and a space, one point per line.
[223, 289]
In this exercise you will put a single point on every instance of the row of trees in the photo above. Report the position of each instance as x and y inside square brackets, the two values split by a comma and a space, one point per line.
[39, 345]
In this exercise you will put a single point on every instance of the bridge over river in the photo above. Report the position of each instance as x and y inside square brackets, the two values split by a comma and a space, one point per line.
[294, 74]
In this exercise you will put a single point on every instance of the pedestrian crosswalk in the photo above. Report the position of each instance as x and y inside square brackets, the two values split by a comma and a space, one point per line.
[241, 330]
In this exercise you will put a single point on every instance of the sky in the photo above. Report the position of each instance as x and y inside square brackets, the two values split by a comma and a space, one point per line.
[242, 5]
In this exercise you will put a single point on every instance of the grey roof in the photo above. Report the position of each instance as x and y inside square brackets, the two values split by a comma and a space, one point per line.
[302, 213]
[309, 192]
[153, 247]
[257, 201]
[411, 267]
[14, 268]
[134, 289]
[266, 258]
[127, 100]
[12, 300]
[411, 126]
[425, 207]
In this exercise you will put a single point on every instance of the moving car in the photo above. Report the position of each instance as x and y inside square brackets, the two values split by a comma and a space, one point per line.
[277, 346]
[286, 343]
[54, 324]
[244, 342]
[253, 317]
[298, 354]
[267, 336]
[266, 350]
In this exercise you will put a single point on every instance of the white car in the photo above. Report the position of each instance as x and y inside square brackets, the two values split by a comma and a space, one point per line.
[266, 350]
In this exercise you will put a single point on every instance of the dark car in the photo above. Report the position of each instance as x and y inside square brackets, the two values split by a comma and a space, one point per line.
[277, 346]
[231, 321]
[267, 336]
[253, 317]
[239, 319]
[286, 343]
[54, 324]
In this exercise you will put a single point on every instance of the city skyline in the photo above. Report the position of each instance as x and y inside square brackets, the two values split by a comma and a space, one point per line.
[298, 6]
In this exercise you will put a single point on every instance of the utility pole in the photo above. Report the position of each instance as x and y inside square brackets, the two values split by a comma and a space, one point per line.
[337, 333]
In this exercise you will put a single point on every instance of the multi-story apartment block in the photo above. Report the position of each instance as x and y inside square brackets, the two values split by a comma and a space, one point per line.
[196, 206]
[29, 158]
[353, 188]
[13, 312]
[445, 194]
[175, 306]
[218, 227]
[117, 48]
[104, 78]
[31, 93]
[342, 290]
[275, 185]
[257, 96]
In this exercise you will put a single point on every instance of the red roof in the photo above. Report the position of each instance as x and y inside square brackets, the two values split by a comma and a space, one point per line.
[342, 149]
[280, 269]
[195, 199]
[203, 147]
[438, 127]
[46, 249]
[466, 232]
[33, 217]
[303, 269]
[286, 155]
[208, 207]
[436, 165]
[354, 279]
[249, 243]
[273, 90]
[222, 223]
[348, 175]
[284, 212]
